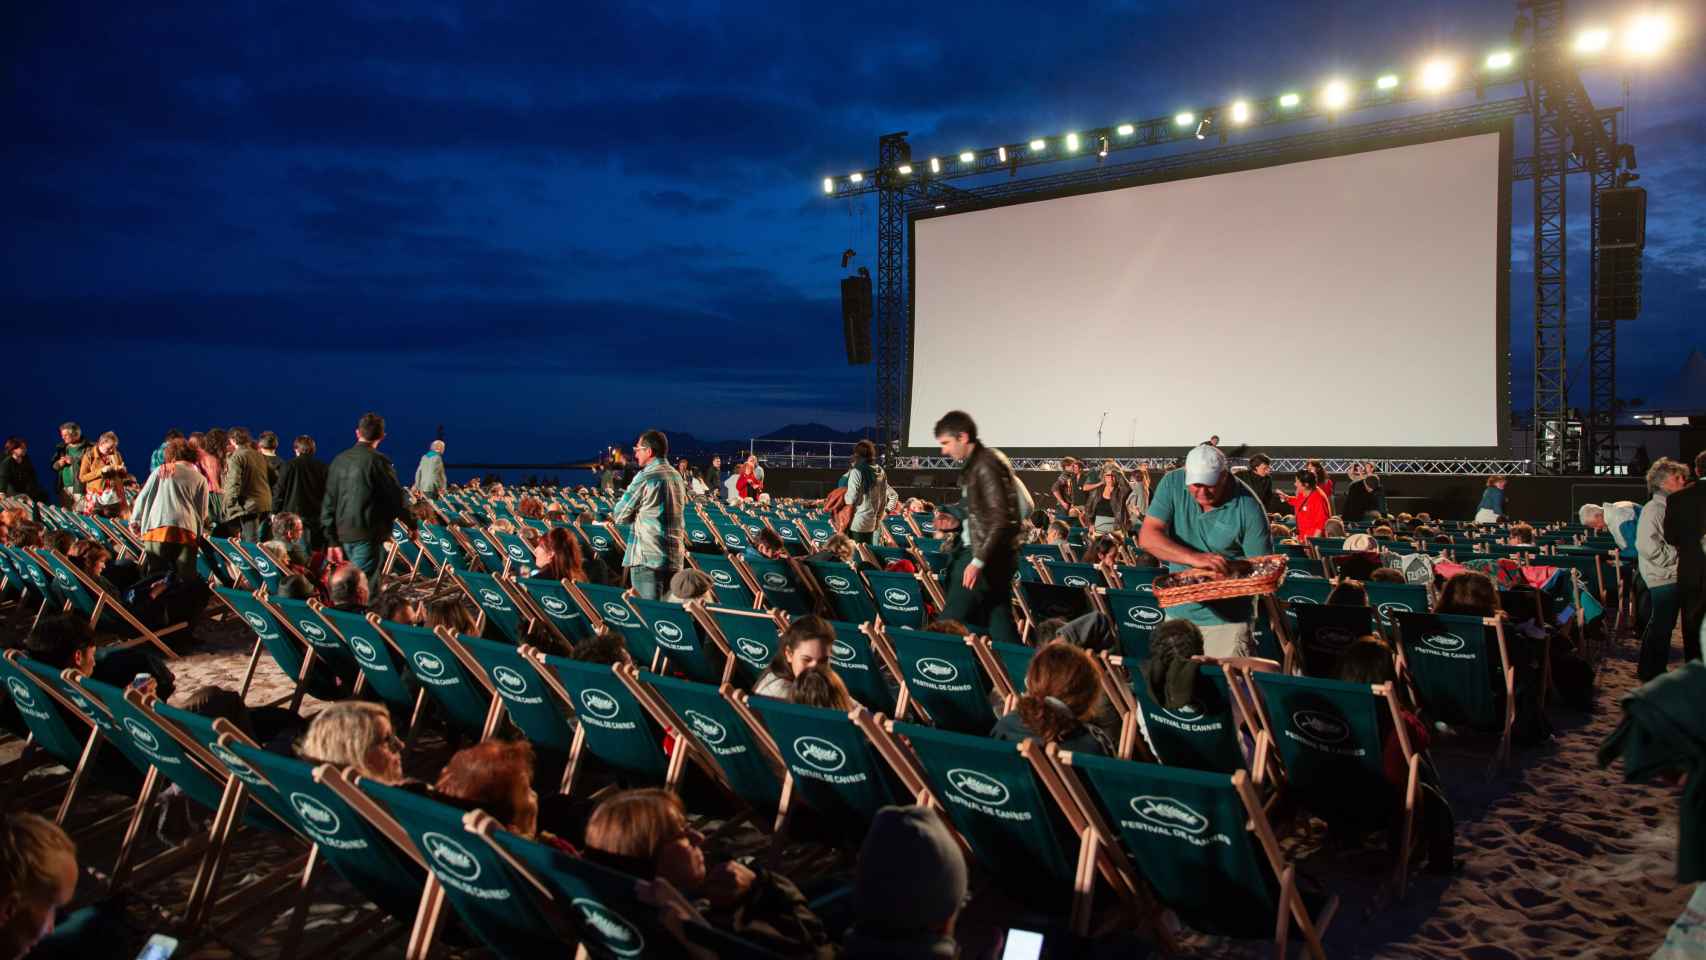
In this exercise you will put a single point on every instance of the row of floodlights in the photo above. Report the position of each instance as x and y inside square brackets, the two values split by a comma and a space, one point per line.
[1645, 36]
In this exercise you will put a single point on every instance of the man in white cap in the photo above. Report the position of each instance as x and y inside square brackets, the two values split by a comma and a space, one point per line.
[1202, 517]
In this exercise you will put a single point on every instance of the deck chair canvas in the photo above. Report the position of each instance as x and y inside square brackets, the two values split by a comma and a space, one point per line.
[1195, 836]
[900, 598]
[494, 602]
[779, 582]
[700, 536]
[1136, 615]
[380, 662]
[748, 634]
[727, 583]
[57, 729]
[832, 767]
[609, 607]
[539, 716]
[856, 656]
[556, 609]
[941, 673]
[705, 713]
[843, 590]
[1199, 736]
[294, 658]
[258, 561]
[443, 668]
[1073, 574]
[1461, 671]
[1389, 599]
[302, 618]
[1042, 601]
[684, 643]
[611, 723]
[104, 610]
[1325, 632]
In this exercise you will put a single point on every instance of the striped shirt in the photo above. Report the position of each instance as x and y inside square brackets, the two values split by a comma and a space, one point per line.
[653, 503]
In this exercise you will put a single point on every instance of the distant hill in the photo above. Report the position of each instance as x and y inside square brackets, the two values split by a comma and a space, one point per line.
[684, 444]
[819, 432]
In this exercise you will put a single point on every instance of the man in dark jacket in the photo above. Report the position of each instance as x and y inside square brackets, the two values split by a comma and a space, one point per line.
[1685, 526]
[1259, 478]
[18, 474]
[248, 492]
[301, 489]
[67, 458]
[995, 512]
[363, 497]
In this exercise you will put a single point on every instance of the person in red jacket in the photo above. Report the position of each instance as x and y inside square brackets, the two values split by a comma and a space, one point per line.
[748, 483]
[1310, 505]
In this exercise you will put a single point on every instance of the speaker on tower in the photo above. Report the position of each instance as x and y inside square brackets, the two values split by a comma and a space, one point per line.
[856, 316]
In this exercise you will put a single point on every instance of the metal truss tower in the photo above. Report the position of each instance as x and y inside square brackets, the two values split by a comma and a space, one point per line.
[1551, 154]
[894, 327]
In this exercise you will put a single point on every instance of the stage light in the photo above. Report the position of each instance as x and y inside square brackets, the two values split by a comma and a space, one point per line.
[1125, 130]
[855, 177]
[1038, 145]
[1103, 151]
[941, 206]
[1438, 74]
[1593, 40]
[1072, 141]
[1202, 129]
[935, 165]
[903, 169]
[1387, 82]
[1647, 34]
[1001, 154]
[1500, 59]
[1240, 111]
[1185, 118]
[828, 184]
[1290, 100]
[1336, 95]
[967, 157]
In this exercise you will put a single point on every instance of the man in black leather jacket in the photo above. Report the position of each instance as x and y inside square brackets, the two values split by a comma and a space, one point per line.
[995, 509]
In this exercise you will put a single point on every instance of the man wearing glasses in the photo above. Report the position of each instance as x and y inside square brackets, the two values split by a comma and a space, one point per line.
[653, 503]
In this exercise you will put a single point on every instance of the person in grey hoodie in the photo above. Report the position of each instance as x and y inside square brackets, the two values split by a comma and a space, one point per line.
[429, 476]
[1657, 561]
[170, 513]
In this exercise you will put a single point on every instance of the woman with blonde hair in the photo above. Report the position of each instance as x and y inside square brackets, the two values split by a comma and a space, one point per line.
[355, 734]
[103, 475]
[1105, 502]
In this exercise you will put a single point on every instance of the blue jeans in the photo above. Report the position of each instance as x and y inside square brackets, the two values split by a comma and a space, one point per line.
[1663, 606]
[366, 555]
[651, 583]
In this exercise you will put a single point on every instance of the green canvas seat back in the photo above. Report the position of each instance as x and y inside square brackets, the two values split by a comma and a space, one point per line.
[700, 536]
[500, 610]
[782, 589]
[1589, 567]
[234, 558]
[386, 674]
[791, 538]
[991, 794]
[726, 583]
[1454, 665]
[553, 600]
[1390, 599]
[201, 730]
[753, 640]
[844, 590]
[618, 730]
[479, 886]
[262, 565]
[46, 676]
[1076, 574]
[818, 529]
[716, 724]
[443, 546]
[1141, 579]
[898, 528]
[1048, 551]
[677, 634]
[887, 555]
[1015, 659]
[730, 534]
[280, 647]
[1136, 615]
[614, 610]
[488, 555]
[55, 732]
[1296, 589]
[835, 769]
[363, 856]
[856, 663]
[944, 676]
[1199, 736]
[1296, 553]
[926, 523]
[327, 647]
[1184, 830]
[1047, 600]
[939, 563]
[32, 571]
[445, 678]
[66, 584]
[602, 543]
[1329, 737]
[900, 598]
[529, 704]
[515, 549]
[411, 552]
[1325, 632]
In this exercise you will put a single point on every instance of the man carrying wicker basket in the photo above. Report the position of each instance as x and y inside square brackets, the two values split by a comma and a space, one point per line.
[1203, 518]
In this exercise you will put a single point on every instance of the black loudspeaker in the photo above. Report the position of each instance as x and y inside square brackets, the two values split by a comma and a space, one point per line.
[1618, 285]
[1623, 218]
[856, 317]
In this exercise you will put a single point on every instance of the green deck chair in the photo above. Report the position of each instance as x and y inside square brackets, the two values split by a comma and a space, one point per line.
[1042, 601]
[1389, 599]
[301, 617]
[1200, 736]
[780, 585]
[1074, 574]
[53, 680]
[730, 534]
[705, 713]
[285, 648]
[898, 530]
[941, 673]
[612, 725]
[899, 596]
[751, 636]
[378, 660]
[1187, 832]
[452, 679]
[1136, 615]
[682, 641]
[556, 608]
[834, 768]
[234, 563]
[490, 557]
[610, 606]
[818, 529]
[515, 550]
[495, 602]
[366, 858]
[1459, 668]
[1015, 661]
[855, 658]
[260, 563]
[726, 581]
[1324, 633]
[843, 590]
[700, 536]
[54, 730]
[538, 715]
[442, 546]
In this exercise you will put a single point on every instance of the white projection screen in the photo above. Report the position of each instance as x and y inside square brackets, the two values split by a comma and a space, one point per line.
[1355, 301]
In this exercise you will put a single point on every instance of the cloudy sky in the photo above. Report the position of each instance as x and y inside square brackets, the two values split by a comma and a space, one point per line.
[547, 226]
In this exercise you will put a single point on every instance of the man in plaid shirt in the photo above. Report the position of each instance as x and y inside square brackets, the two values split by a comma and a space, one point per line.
[653, 503]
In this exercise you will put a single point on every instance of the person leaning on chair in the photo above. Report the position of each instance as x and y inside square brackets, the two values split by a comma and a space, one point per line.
[363, 497]
[653, 503]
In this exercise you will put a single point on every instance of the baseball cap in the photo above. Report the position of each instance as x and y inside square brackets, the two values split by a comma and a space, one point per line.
[1205, 464]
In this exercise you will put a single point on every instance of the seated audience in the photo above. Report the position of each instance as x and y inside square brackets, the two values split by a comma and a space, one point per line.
[688, 585]
[908, 888]
[606, 647]
[355, 734]
[1386, 575]
[805, 645]
[38, 876]
[1362, 562]
[393, 606]
[1060, 703]
[296, 587]
[1348, 593]
[953, 627]
[66, 642]
[448, 611]
[1520, 535]
[766, 544]
[645, 833]
[1469, 594]
[822, 687]
[272, 727]
[1334, 529]
[347, 588]
[497, 776]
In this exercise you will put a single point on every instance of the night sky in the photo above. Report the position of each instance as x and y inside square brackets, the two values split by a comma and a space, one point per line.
[549, 226]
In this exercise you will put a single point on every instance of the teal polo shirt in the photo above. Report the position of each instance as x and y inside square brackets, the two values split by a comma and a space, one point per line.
[1236, 528]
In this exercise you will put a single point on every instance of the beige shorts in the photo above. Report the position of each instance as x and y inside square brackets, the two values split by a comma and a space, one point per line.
[1228, 640]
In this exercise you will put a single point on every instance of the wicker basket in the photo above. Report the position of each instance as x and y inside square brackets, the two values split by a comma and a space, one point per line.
[1250, 577]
